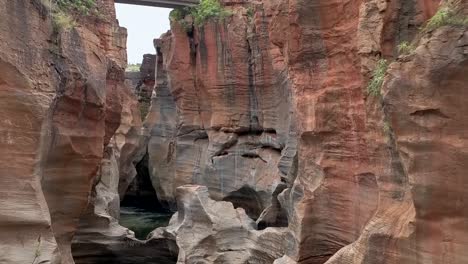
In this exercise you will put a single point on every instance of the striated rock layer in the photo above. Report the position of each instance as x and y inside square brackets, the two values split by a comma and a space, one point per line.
[222, 119]
[423, 101]
[207, 231]
[60, 103]
[260, 134]
[277, 93]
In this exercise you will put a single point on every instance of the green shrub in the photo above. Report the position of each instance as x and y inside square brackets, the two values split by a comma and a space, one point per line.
[62, 21]
[448, 14]
[405, 48]
[179, 14]
[206, 10]
[64, 12]
[378, 76]
[250, 12]
[82, 7]
[209, 9]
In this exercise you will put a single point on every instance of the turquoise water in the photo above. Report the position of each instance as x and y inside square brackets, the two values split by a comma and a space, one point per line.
[142, 221]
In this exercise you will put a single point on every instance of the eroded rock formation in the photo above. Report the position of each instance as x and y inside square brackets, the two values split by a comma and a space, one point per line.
[424, 222]
[260, 134]
[277, 93]
[60, 105]
[207, 231]
[231, 131]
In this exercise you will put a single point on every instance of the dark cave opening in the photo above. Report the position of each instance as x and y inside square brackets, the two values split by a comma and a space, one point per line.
[248, 199]
[140, 209]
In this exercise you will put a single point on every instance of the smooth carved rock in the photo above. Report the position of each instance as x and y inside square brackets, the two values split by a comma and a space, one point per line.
[285, 260]
[266, 108]
[60, 105]
[100, 238]
[207, 231]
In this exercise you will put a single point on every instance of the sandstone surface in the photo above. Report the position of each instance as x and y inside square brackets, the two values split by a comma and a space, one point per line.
[256, 128]
[60, 105]
[324, 136]
[208, 231]
[422, 100]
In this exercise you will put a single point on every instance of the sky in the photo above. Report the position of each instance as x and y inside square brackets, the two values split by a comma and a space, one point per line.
[143, 23]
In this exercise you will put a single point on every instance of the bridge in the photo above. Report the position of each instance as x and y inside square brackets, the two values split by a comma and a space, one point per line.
[160, 3]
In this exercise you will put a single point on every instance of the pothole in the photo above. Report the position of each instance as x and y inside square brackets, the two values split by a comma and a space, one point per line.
[140, 210]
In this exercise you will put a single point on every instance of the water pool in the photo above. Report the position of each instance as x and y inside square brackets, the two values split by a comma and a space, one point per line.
[142, 221]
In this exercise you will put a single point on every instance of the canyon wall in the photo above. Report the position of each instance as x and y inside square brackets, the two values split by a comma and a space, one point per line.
[60, 105]
[257, 128]
[274, 98]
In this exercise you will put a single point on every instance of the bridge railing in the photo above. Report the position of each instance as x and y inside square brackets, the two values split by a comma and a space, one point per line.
[160, 3]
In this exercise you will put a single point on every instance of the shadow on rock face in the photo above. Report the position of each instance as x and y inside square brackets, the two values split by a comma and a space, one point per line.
[126, 252]
[248, 199]
[140, 209]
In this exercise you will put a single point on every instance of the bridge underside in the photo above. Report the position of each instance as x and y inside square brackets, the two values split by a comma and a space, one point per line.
[160, 3]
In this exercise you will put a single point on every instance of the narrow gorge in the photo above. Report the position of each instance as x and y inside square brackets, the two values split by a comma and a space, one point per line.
[258, 132]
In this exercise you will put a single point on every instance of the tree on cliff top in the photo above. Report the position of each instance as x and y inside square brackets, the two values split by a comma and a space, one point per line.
[206, 10]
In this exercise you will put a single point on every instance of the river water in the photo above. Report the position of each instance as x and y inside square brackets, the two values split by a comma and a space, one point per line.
[142, 221]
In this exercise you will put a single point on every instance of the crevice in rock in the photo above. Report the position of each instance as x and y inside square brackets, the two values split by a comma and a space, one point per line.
[140, 209]
[274, 215]
[193, 46]
[252, 89]
[143, 83]
[248, 199]
[250, 155]
[429, 112]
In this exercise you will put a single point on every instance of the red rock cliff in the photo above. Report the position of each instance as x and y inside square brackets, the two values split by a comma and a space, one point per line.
[60, 105]
[277, 93]
[267, 108]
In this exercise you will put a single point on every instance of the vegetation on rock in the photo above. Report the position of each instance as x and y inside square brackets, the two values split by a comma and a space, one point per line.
[206, 10]
[450, 14]
[378, 76]
[250, 12]
[63, 12]
[177, 14]
[62, 21]
[82, 7]
[209, 9]
[405, 48]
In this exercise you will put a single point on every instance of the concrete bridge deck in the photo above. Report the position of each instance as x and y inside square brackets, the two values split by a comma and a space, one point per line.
[160, 3]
